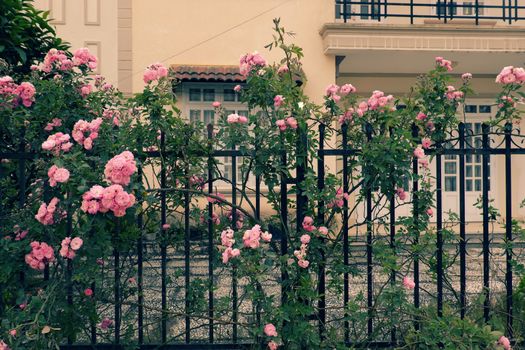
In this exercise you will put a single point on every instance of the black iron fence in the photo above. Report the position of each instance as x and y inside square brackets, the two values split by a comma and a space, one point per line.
[509, 11]
[504, 143]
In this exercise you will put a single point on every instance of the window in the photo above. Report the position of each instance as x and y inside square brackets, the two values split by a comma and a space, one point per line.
[370, 9]
[471, 108]
[449, 9]
[469, 8]
[450, 165]
[475, 113]
[473, 163]
[197, 99]
[340, 10]
[485, 109]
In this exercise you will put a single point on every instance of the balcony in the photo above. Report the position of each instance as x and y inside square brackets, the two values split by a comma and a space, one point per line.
[431, 12]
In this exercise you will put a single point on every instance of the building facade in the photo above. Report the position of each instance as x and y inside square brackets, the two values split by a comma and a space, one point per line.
[369, 43]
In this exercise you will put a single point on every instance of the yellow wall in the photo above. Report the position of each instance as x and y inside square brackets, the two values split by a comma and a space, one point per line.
[219, 32]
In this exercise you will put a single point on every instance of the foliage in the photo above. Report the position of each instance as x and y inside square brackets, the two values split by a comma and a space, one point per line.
[25, 34]
[94, 287]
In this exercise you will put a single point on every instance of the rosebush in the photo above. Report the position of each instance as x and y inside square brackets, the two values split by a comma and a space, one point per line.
[100, 167]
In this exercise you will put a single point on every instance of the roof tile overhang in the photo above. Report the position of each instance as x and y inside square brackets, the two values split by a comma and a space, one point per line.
[207, 73]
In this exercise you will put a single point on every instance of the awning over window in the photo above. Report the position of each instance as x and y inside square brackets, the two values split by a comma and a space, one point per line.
[210, 73]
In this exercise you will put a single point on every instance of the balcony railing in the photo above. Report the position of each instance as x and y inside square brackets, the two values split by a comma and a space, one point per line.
[507, 11]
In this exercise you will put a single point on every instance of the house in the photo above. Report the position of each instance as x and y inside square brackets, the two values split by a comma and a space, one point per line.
[373, 44]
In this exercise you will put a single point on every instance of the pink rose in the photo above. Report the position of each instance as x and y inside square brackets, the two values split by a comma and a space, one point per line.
[401, 193]
[505, 342]
[408, 283]
[278, 101]
[323, 230]
[305, 239]
[272, 345]
[76, 243]
[303, 263]
[269, 330]
[216, 104]
[426, 142]
[281, 124]
[292, 122]
[419, 152]
[88, 292]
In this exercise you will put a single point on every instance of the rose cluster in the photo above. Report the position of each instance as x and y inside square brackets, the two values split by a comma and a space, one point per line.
[24, 93]
[227, 240]
[234, 118]
[252, 237]
[440, 61]
[57, 142]
[453, 94]
[57, 59]
[250, 61]
[101, 200]
[338, 202]
[334, 92]
[86, 132]
[70, 246]
[120, 168]
[41, 253]
[155, 72]
[57, 175]
[55, 123]
[83, 57]
[511, 75]
[301, 253]
[46, 212]
[283, 124]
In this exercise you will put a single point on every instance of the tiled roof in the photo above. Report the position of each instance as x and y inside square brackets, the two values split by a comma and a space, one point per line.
[207, 73]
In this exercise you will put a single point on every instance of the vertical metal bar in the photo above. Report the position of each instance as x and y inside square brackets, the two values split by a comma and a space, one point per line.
[69, 265]
[258, 217]
[163, 267]
[345, 13]
[485, 204]
[320, 217]
[503, 6]
[515, 10]
[477, 12]
[116, 291]
[235, 305]
[462, 231]
[22, 184]
[187, 232]
[438, 9]
[445, 5]
[508, 225]
[439, 227]
[510, 11]
[21, 173]
[284, 222]
[47, 198]
[140, 265]
[392, 230]
[301, 160]
[210, 238]
[411, 11]
[369, 257]
[346, 287]
[93, 331]
[415, 206]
